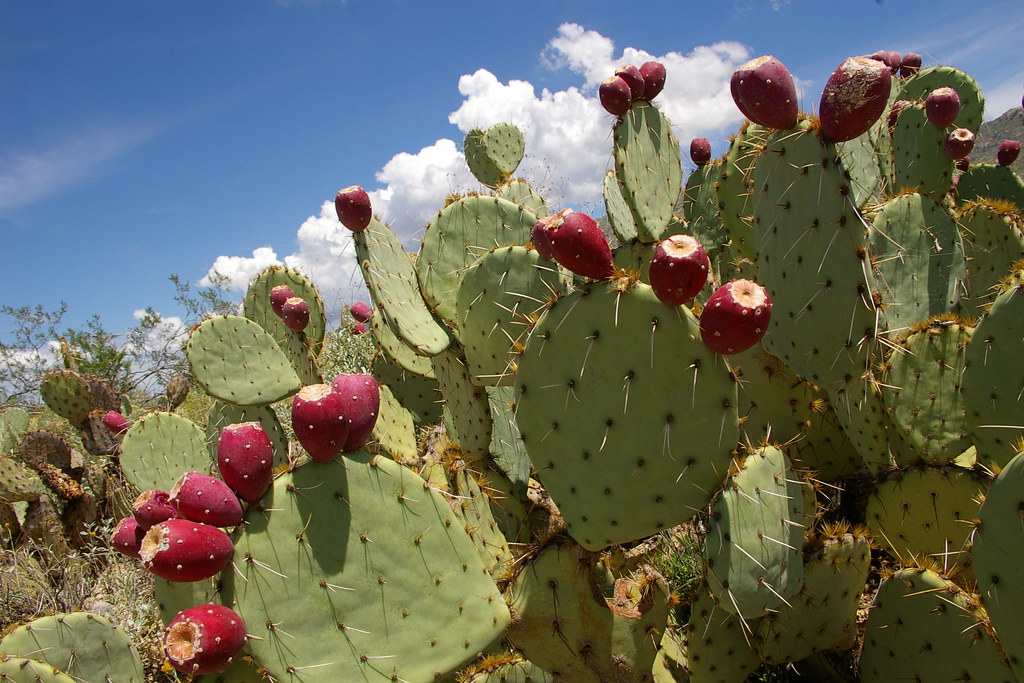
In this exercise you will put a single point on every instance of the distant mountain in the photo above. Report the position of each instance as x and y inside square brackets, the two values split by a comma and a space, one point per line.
[1009, 126]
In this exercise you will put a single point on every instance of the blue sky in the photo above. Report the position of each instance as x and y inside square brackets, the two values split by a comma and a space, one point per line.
[140, 139]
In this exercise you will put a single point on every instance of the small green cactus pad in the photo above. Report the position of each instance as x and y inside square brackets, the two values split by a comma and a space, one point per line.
[417, 394]
[648, 168]
[992, 182]
[501, 295]
[862, 159]
[16, 421]
[824, 447]
[568, 622]
[462, 232]
[394, 432]
[358, 570]
[864, 418]
[719, 645]
[222, 414]
[256, 307]
[735, 189]
[18, 482]
[506, 442]
[520, 192]
[670, 664]
[236, 360]
[494, 154]
[925, 514]
[755, 535]
[398, 352]
[467, 410]
[174, 596]
[628, 418]
[160, 447]
[67, 394]
[635, 258]
[916, 611]
[391, 280]
[972, 104]
[993, 242]
[21, 670]
[701, 211]
[617, 210]
[83, 645]
[919, 162]
[472, 503]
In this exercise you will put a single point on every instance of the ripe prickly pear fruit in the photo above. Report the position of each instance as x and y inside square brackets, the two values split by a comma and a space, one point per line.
[765, 93]
[942, 106]
[353, 207]
[679, 269]
[202, 498]
[735, 317]
[361, 311]
[152, 507]
[358, 329]
[183, 550]
[319, 420]
[115, 422]
[204, 639]
[634, 79]
[127, 537]
[541, 239]
[910, 64]
[958, 144]
[1008, 152]
[700, 151]
[245, 458]
[653, 74]
[362, 403]
[278, 295]
[890, 58]
[854, 97]
[615, 95]
[579, 244]
[296, 314]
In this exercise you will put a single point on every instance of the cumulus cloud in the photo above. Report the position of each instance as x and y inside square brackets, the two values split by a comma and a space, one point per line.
[327, 256]
[239, 270]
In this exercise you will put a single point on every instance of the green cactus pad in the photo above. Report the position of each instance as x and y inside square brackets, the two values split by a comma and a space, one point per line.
[865, 420]
[628, 418]
[919, 162]
[18, 482]
[719, 645]
[991, 182]
[993, 242]
[173, 597]
[391, 279]
[520, 192]
[701, 212]
[21, 670]
[509, 667]
[221, 414]
[468, 413]
[648, 168]
[16, 420]
[617, 210]
[303, 347]
[776, 405]
[67, 394]
[494, 154]
[394, 431]
[397, 352]
[160, 447]
[358, 570]
[972, 103]
[236, 360]
[83, 645]
[418, 394]
[473, 505]
[506, 442]
[862, 157]
[635, 258]
[735, 189]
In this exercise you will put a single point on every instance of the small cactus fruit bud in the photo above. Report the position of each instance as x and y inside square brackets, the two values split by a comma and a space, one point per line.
[958, 144]
[541, 239]
[358, 329]
[942, 106]
[580, 245]
[653, 74]
[1008, 152]
[854, 97]
[890, 58]
[679, 269]
[183, 550]
[202, 498]
[245, 458]
[278, 295]
[361, 311]
[115, 422]
[735, 317]
[204, 639]
[318, 417]
[910, 64]
[296, 314]
[615, 95]
[764, 91]
[127, 537]
[353, 207]
[700, 151]
[362, 403]
[152, 507]
[633, 78]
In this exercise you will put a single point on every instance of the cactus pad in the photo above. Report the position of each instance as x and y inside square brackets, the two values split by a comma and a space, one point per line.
[159, 448]
[494, 154]
[67, 394]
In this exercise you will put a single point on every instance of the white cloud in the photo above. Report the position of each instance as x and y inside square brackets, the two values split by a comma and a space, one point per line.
[327, 257]
[1003, 97]
[239, 270]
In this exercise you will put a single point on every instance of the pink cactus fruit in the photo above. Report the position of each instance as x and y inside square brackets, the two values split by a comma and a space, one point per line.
[296, 314]
[579, 244]
[245, 458]
[890, 58]
[942, 106]
[204, 639]
[359, 328]
[541, 240]
[127, 537]
[910, 64]
[353, 207]
[152, 507]
[854, 98]
[115, 422]
[362, 403]
[183, 550]
[654, 75]
[361, 311]
[319, 420]
[735, 317]
[615, 95]
[765, 93]
[958, 144]
[700, 151]
[1008, 152]
[202, 498]
[633, 78]
[278, 295]
[679, 269]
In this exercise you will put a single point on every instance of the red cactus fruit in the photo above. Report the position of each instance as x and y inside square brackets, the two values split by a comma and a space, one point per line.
[115, 422]
[679, 269]
[353, 207]
[152, 507]
[854, 97]
[318, 417]
[358, 329]
[296, 314]
[204, 639]
[362, 403]
[127, 537]
[541, 239]
[633, 78]
[700, 151]
[202, 498]
[183, 550]
[615, 95]
[735, 317]
[765, 93]
[278, 295]
[579, 244]
[958, 144]
[653, 74]
[910, 64]
[245, 458]
[361, 311]
[1008, 152]
[890, 58]
[942, 106]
